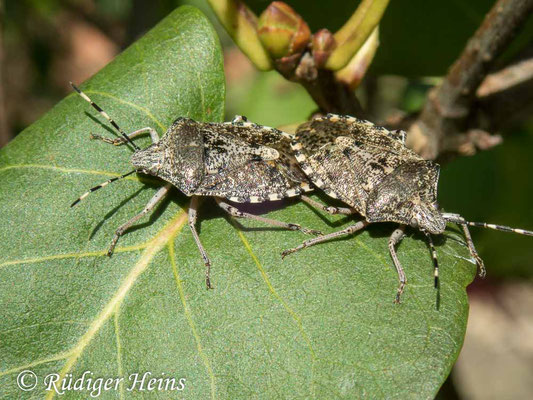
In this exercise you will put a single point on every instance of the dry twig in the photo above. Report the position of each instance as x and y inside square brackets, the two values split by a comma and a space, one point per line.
[445, 124]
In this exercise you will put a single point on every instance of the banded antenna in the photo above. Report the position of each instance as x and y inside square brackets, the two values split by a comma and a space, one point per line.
[457, 219]
[105, 115]
[84, 195]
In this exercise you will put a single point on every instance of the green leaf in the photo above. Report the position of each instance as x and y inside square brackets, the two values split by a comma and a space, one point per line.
[320, 324]
[269, 99]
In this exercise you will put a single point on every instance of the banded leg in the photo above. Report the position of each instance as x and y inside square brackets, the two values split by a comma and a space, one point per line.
[121, 140]
[193, 212]
[158, 196]
[311, 242]
[329, 209]
[434, 258]
[235, 212]
[394, 240]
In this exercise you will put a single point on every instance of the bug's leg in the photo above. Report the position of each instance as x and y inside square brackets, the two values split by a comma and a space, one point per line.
[193, 212]
[459, 220]
[329, 209]
[311, 242]
[234, 212]
[434, 258]
[121, 140]
[473, 251]
[455, 218]
[158, 196]
[394, 239]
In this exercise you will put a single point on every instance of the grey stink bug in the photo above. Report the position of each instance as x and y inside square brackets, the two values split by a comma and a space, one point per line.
[238, 161]
[370, 169]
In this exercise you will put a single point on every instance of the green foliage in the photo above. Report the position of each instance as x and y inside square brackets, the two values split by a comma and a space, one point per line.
[494, 186]
[270, 100]
[320, 324]
[417, 37]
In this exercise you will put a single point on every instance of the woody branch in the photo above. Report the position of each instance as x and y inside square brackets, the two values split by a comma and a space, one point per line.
[447, 122]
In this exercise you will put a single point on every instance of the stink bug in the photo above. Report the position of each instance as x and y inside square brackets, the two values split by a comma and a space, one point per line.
[370, 169]
[238, 161]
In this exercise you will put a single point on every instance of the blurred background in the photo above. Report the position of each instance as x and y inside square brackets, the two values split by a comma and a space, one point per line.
[44, 44]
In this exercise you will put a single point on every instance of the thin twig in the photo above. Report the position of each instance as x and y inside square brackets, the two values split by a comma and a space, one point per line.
[506, 94]
[444, 121]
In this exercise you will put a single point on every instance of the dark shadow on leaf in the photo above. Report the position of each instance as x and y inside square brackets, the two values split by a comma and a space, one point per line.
[256, 209]
[437, 300]
[160, 208]
[267, 228]
[102, 124]
[114, 133]
[325, 217]
[113, 211]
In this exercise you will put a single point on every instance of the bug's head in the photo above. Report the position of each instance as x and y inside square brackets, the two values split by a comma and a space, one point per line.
[177, 158]
[408, 196]
[428, 218]
[150, 160]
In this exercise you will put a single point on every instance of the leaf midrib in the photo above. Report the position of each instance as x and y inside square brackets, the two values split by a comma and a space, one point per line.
[169, 232]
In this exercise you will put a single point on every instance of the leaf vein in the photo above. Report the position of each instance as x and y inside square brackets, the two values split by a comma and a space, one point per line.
[119, 353]
[158, 242]
[77, 171]
[190, 320]
[285, 304]
[74, 255]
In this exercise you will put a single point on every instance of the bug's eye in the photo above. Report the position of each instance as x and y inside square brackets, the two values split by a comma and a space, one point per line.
[414, 222]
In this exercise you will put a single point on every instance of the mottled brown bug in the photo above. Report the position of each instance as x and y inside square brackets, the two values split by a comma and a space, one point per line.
[239, 161]
[370, 169]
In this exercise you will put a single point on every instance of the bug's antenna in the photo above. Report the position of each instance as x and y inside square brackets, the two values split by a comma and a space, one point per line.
[434, 258]
[105, 115]
[461, 221]
[100, 186]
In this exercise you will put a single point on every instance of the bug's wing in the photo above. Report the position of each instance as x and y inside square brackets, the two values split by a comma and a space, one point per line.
[224, 151]
[289, 167]
[254, 133]
[313, 134]
[253, 182]
[246, 172]
[347, 157]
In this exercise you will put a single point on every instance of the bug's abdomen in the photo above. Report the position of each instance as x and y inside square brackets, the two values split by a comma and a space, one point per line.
[349, 158]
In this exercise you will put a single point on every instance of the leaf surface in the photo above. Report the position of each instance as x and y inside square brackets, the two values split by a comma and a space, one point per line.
[321, 324]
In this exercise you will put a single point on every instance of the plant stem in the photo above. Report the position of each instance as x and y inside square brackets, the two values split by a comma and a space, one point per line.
[241, 24]
[355, 32]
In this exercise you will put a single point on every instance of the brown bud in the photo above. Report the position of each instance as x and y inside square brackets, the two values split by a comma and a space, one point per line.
[323, 44]
[282, 31]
